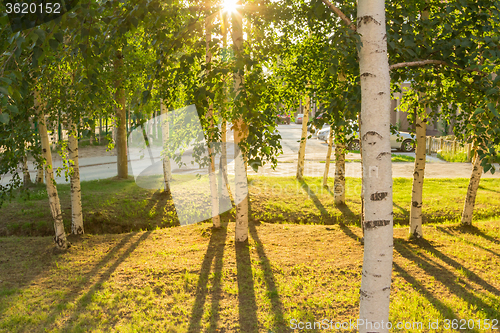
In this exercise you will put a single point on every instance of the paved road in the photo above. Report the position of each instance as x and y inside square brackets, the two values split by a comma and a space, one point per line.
[101, 167]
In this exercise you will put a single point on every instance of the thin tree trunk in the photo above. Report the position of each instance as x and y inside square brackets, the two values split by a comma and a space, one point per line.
[92, 134]
[26, 173]
[362, 195]
[39, 175]
[240, 133]
[328, 157]
[167, 173]
[55, 206]
[303, 140]
[339, 181]
[377, 170]
[470, 199]
[418, 180]
[76, 195]
[214, 195]
[223, 163]
[120, 111]
[100, 128]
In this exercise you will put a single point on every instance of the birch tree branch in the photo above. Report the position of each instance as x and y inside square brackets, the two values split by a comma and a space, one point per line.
[429, 62]
[340, 14]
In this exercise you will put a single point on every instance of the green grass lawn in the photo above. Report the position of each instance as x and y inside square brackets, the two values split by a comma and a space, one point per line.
[194, 279]
[112, 206]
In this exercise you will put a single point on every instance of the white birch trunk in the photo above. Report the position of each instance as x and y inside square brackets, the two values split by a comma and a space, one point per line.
[377, 172]
[55, 206]
[39, 175]
[339, 181]
[214, 195]
[418, 180]
[76, 192]
[470, 199]
[303, 140]
[26, 173]
[240, 170]
[328, 158]
[167, 171]
[121, 121]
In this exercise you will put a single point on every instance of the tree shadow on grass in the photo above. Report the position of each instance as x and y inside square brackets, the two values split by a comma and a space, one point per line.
[446, 311]
[86, 299]
[471, 229]
[404, 210]
[324, 213]
[481, 187]
[214, 254]
[272, 289]
[447, 231]
[247, 305]
[443, 275]
[347, 213]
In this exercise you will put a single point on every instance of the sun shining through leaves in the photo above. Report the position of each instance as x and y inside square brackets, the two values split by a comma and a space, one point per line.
[230, 6]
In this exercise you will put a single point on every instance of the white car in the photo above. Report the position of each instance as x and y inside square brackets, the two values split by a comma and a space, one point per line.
[298, 119]
[401, 140]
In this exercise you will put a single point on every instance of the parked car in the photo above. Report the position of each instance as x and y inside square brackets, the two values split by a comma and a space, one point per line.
[298, 119]
[283, 119]
[315, 130]
[400, 140]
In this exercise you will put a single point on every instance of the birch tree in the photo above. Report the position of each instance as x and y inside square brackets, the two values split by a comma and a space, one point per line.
[303, 140]
[76, 195]
[470, 198]
[418, 177]
[55, 206]
[211, 142]
[167, 173]
[120, 114]
[240, 133]
[377, 174]
[339, 181]
[328, 157]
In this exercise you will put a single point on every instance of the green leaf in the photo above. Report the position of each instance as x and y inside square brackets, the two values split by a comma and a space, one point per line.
[59, 36]
[41, 34]
[13, 108]
[478, 111]
[493, 109]
[4, 91]
[53, 44]
[4, 118]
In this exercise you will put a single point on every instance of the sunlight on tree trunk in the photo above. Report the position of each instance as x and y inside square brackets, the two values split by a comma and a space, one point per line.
[418, 179]
[240, 133]
[55, 206]
[303, 140]
[120, 113]
[328, 158]
[76, 192]
[167, 173]
[211, 170]
[339, 181]
[377, 173]
[470, 198]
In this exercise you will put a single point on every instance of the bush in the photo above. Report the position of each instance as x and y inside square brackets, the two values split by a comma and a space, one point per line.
[450, 157]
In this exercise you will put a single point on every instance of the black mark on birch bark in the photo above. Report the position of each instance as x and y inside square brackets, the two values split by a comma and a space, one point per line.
[372, 133]
[377, 223]
[379, 156]
[378, 196]
[367, 75]
[415, 204]
[367, 19]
